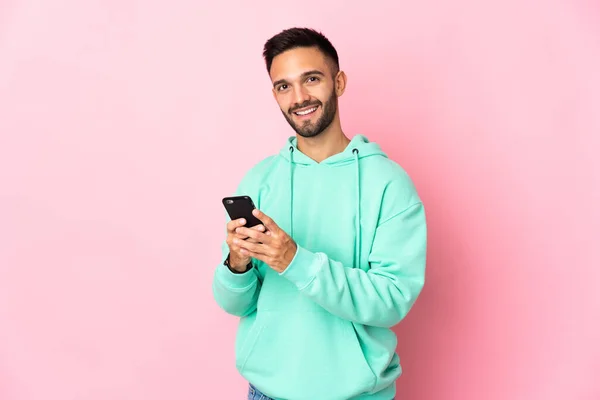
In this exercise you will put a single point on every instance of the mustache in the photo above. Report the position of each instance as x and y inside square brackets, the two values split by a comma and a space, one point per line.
[304, 105]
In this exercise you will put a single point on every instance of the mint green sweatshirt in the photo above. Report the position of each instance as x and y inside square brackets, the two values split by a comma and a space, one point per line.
[320, 330]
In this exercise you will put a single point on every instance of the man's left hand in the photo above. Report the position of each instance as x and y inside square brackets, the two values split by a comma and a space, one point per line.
[275, 247]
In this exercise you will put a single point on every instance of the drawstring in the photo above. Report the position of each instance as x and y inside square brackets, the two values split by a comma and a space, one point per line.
[291, 192]
[357, 244]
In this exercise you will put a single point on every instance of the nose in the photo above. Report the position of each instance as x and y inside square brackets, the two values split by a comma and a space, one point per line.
[301, 95]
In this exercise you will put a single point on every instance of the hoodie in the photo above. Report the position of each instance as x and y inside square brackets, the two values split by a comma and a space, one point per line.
[321, 329]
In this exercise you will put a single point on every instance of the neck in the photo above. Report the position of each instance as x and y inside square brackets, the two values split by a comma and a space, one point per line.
[328, 143]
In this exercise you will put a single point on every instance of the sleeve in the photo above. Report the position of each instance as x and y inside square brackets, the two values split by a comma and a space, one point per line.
[237, 294]
[383, 294]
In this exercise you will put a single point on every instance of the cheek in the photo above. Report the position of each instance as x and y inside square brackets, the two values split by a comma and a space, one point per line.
[284, 102]
[321, 93]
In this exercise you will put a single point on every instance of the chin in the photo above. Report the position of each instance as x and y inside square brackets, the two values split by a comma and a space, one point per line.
[309, 134]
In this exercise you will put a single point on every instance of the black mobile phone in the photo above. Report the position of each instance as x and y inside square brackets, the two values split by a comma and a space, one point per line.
[241, 207]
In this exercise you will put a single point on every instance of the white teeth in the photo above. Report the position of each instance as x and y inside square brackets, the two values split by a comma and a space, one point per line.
[310, 110]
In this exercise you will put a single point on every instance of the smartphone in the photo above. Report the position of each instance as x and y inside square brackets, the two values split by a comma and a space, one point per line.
[241, 207]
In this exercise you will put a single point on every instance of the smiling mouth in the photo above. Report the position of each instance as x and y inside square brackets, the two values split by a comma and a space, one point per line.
[306, 111]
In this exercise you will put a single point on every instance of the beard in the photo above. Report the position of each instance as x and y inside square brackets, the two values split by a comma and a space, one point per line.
[308, 129]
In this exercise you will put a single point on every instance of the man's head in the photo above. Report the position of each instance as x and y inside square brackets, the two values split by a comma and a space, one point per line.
[307, 81]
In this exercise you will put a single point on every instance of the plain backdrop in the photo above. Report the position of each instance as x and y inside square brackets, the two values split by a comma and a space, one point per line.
[124, 123]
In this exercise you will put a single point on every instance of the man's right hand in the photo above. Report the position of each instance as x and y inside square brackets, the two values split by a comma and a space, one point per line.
[237, 260]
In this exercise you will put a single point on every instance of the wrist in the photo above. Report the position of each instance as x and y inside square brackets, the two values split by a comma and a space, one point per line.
[236, 265]
[289, 255]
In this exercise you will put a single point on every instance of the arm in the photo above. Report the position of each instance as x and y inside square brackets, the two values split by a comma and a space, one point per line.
[381, 296]
[235, 293]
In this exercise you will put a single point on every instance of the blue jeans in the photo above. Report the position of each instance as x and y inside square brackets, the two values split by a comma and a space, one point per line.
[255, 394]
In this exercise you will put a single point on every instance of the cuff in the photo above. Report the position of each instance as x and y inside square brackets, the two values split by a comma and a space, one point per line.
[235, 281]
[303, 268]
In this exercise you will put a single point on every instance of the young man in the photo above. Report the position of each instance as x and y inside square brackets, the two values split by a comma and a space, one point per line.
[340, 256]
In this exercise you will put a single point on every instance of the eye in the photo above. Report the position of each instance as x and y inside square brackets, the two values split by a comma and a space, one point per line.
[281, 87]
[313, 79]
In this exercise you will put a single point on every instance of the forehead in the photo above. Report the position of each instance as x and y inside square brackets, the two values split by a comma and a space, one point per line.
[292, 63]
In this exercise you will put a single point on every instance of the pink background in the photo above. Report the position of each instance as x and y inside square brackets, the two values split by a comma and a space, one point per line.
[114, 115]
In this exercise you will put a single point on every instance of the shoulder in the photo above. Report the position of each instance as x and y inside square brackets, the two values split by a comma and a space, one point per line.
[397, 187]
[256, 175]
[389, 169]
[259, 170]
[389, 173]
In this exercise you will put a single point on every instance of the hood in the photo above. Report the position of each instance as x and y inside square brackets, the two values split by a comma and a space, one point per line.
[359, 145]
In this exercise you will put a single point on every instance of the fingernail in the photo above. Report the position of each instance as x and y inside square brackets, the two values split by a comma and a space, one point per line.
[242, 221]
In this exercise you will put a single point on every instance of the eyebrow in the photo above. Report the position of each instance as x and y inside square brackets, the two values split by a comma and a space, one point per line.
[304, 75]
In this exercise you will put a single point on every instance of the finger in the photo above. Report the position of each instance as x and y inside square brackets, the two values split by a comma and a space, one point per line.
[246, 245]
[261, 257]
[231, 225]
[252, 247]
[259, 227]
[249, 239]
[253, 233]
[266, 220]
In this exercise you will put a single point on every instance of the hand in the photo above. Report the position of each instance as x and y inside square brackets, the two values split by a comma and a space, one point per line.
[237, 260]
[275, 248]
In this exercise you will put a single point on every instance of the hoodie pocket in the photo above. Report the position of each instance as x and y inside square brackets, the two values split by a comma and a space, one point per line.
[305, 355]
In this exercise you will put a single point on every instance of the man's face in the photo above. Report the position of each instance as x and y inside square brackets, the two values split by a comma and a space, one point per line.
[304, 88]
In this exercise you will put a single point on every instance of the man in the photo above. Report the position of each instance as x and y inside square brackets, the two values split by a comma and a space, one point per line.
[340, 256]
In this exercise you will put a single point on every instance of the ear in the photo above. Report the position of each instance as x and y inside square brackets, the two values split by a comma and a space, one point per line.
[341, 80]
